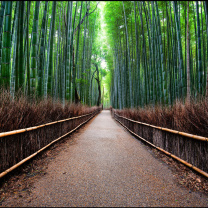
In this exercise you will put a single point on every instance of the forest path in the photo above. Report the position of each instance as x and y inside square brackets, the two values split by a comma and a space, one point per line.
[107, 166]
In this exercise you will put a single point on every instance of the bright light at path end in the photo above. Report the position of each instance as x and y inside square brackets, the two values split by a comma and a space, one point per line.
[103, 64]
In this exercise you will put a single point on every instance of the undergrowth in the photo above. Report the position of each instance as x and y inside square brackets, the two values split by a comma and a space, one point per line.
[20, 112]
[190, 118]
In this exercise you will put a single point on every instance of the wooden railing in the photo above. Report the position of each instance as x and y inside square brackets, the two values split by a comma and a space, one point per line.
[191, 150]
[17, 147]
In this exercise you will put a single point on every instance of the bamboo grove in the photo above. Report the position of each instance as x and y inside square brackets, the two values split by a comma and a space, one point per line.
[46, 49]
[158, 52]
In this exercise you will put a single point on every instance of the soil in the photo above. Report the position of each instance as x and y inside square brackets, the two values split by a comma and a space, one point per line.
[184, 176]
[22, 178]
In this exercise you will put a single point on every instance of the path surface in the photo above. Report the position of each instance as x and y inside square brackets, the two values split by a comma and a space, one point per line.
[106, 166]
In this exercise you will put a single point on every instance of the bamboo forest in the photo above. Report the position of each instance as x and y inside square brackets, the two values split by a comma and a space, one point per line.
[103, 103]
[124, 54]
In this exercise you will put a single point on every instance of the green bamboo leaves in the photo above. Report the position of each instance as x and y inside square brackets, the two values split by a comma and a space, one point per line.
[46, 47]
[156, 52]
[166, 54]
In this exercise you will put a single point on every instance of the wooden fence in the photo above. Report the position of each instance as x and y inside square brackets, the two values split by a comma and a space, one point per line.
[20, 145]
[189, 149]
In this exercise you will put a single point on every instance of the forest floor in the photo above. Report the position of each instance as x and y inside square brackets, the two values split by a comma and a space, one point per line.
[103, 165]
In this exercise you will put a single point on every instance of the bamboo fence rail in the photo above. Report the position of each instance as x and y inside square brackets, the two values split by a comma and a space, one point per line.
[17, 147]
[191, 150]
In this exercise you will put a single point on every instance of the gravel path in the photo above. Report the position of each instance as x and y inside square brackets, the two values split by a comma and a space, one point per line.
[106, 166]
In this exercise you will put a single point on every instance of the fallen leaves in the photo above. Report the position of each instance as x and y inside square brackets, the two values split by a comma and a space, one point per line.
[184, 175]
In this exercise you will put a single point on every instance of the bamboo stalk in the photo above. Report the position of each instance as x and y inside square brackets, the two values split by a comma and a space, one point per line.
[6, 47]
[42, 149]
[9, 133]
[34, 42]
[168, 153]
[169, 130]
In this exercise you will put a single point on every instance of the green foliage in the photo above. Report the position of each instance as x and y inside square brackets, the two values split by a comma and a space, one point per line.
[157, 51]
[140, 52]
[47, 53]
[82, 81]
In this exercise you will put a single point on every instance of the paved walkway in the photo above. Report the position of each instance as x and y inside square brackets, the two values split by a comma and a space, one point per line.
[106, 166]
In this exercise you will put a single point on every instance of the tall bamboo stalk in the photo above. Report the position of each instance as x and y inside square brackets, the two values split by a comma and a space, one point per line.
[14, 44]
[206, 15]
[188, 60]
[177, 21]
[1, 29]
[68, 32]
[33, 67]
[129, 61]
[21, 47]
[6, 49]
[42, 55]
[200, 78]
[28, 50]
[50, 65]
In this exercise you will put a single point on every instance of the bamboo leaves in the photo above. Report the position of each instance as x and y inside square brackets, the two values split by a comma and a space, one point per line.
[173, 64]
[44, 54]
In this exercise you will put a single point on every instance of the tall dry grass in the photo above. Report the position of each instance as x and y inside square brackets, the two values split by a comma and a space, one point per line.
[190, 118]
[21, 113]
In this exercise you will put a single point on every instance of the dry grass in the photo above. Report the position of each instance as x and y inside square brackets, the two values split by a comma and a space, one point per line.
[191, 118]
[19, 113]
